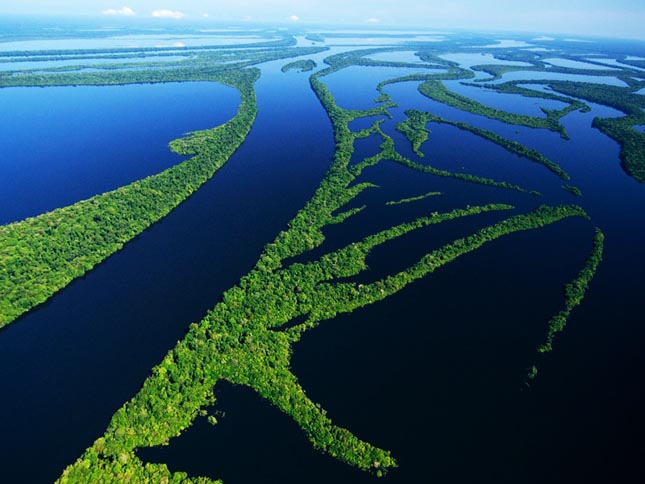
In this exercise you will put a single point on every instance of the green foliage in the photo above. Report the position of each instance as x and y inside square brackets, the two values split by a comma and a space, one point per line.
[413, 199]
[632, 142]
[421, 119]
[438, 92]
[52, 54]
[414, 129]
[388, 152]
[246, 339]
[514, 87]
[575, 291]
[497, 71]
[41, 255]
[573, 190]
[303, 65]
[200, 67]
[621, 129]
[533, 372]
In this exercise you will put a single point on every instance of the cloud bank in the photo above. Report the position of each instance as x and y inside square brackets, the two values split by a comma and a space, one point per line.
[125, 11]
[168, 14]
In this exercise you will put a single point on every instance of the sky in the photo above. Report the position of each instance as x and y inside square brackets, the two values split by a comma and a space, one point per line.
[607, 18]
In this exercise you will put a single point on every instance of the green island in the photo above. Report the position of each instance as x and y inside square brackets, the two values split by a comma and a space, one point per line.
[575, 291]
[572, 190]
[43, 254]
[303, 65]
[412, 199]
[415, 130]
[621, 129]
[286, 40]
[624, 99]
[417, 118]
[438, 92]
[246, 339]
[497, 71]
[201, 66]
[515, 87]
[389, 152]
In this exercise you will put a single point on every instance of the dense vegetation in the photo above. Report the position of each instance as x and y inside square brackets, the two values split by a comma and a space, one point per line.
[201, 67]
[41, 255]
[246, 339]
[438, 92]
[303, 65]
[413, 199]
[572, 190]
[415, 130]
[575, 291]
[624, 99]
[389, 152]
[621, 129]
[418, 119]
[285, 41]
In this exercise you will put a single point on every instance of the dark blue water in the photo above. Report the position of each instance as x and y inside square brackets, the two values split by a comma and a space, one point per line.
[355, 87]
[436, 370]
[435, 373]
[65, 144]
[69, 365]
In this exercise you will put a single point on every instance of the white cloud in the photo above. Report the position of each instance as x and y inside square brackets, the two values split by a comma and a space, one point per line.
[168, 14]
[205, 15]
[373, 20]
[179, 44]
[126, 11]
[294, 18]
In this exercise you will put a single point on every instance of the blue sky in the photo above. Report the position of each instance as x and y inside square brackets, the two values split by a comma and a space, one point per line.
[613, 18]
